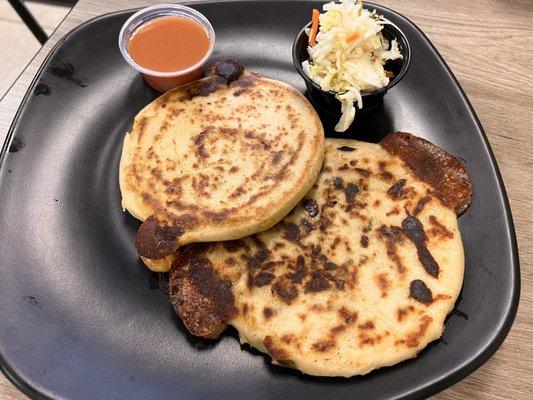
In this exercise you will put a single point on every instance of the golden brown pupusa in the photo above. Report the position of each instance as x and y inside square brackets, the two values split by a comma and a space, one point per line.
[217, 159]
[360, 275]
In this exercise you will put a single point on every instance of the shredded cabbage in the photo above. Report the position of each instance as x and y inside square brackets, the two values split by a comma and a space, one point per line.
[349, 55]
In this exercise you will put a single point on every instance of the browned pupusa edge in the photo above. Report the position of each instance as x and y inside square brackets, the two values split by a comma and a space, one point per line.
[442, 171]
[199, 294]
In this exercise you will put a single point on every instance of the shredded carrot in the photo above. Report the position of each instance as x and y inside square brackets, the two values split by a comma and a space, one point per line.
[314, 27]
[352, 37]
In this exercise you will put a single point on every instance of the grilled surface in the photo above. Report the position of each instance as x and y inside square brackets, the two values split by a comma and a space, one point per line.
[360, 275]
[220, 158]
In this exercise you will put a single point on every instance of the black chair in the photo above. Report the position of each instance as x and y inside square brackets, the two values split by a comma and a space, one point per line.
[29, 19]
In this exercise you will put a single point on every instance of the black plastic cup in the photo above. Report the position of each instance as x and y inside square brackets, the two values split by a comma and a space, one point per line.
[325, 100]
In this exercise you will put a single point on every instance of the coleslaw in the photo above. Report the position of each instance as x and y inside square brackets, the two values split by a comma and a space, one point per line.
[347, 52]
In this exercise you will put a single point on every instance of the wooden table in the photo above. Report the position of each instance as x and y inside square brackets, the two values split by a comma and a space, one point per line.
[488, 45]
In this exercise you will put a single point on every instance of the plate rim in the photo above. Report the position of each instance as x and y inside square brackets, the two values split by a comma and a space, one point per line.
[461, 371]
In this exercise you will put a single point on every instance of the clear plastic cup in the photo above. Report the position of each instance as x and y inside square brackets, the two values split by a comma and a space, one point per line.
[163, 81]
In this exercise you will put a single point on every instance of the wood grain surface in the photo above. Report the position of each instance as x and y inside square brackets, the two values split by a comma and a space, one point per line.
[489, 45]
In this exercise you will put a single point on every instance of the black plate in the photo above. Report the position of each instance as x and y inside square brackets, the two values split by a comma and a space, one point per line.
[80, 316]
